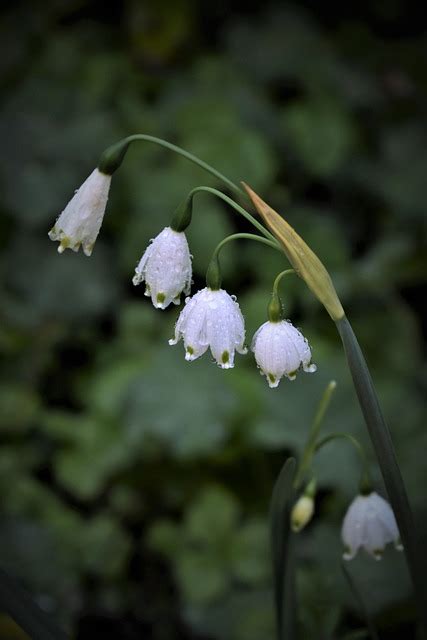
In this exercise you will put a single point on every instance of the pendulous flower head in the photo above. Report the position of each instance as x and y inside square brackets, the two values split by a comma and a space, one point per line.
[166, 268]
[211, 318]
[280, 350]
[369, 524]
[80, 222]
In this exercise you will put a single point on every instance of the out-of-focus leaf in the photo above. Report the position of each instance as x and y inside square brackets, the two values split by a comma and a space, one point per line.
[213, 516]
[322, 135]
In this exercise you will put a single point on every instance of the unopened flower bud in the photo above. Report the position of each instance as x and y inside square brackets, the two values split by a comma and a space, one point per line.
[302, 513]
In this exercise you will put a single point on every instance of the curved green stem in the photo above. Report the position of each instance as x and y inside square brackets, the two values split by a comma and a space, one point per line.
[245, 236]
[310, 447]
[278, 278]
[275, 309]
[365, 482]
[113, 156]
[213, 273]
[236, 207]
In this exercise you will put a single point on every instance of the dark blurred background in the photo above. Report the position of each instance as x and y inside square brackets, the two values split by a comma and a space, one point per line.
[134, 487]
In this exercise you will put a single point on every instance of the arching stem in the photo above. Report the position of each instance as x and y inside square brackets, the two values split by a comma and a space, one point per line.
[112, 158]
[182, 216]
[365, 481]
[310, 446]
[213, 273]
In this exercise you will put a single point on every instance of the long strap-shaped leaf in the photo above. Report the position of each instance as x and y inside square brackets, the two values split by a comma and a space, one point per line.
[283, 571]
[19, 605]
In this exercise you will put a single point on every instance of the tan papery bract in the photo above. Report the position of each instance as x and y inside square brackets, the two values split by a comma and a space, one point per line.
[302, 258]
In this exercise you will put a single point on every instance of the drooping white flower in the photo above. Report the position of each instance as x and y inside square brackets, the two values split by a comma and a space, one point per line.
[166, 268]
[302, 513]
[369, 524]
[280, 350]
[80, 222]
[211, 318]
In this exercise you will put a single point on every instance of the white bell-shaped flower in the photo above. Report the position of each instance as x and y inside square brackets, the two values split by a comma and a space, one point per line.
[166, 268]
[211, 318]
[80, 222]
[280, 350]
[369, 524]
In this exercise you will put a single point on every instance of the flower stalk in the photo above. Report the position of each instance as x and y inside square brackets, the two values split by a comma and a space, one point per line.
[112, 158]
[310, 447]
[365, 484]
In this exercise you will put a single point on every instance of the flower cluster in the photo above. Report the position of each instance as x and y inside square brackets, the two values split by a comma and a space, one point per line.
[211, 318]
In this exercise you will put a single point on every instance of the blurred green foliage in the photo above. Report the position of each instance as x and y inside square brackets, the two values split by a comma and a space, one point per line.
[134, 487]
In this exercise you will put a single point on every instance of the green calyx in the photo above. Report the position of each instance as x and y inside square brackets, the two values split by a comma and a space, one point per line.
[275, 309]
[183, 214]
[365, 484]
[310, 490]
[213, 274]
[112, 157]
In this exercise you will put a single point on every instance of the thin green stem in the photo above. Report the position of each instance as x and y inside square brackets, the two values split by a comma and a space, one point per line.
[245, 236]
[310, 446]
[278, 278]
[237, 208]
[189, 156]
[213, 273]
[365, 483]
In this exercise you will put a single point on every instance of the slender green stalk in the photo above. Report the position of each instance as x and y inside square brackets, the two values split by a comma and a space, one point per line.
[310, 446]
[213, 273]
[113, 156]
[19, 605]
[365, 481]
[245, 236]
[386, 456]
[236, 207]
[275, 308]
[281, 275]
